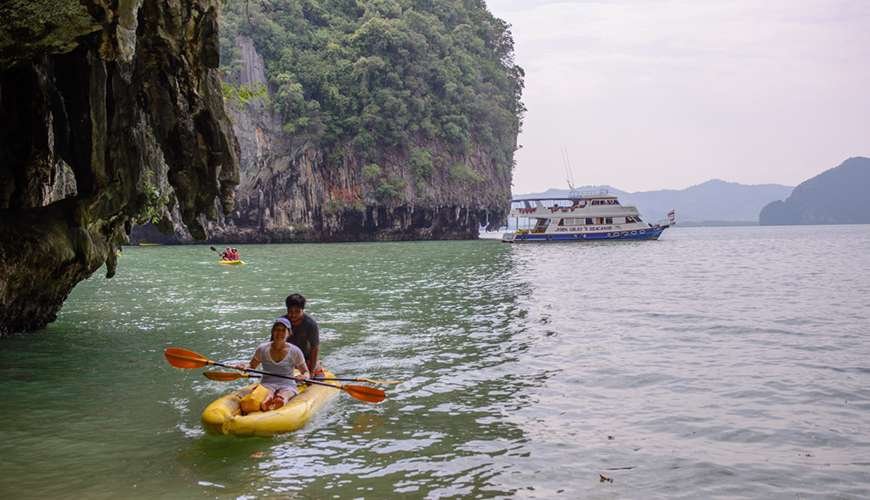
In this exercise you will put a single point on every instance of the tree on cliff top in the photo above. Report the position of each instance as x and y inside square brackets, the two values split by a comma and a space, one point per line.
[386, 75]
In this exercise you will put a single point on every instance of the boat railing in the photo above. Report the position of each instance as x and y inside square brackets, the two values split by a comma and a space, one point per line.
[593, 192]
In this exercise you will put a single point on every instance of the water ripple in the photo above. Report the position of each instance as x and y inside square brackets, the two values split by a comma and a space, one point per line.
[713, 363]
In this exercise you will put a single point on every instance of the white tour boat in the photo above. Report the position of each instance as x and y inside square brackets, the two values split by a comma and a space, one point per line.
[580, 217]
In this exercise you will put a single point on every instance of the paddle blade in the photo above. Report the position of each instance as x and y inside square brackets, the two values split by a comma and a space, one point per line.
[225, 376]
[364, 393]
[182, 358]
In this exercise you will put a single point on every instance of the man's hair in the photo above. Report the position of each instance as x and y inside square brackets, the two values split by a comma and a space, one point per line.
[295, 300]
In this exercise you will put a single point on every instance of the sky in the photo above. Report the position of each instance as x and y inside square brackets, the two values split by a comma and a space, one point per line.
[652, 94]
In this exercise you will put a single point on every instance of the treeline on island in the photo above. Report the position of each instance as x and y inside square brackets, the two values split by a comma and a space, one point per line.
[368, 119]
[366, 77]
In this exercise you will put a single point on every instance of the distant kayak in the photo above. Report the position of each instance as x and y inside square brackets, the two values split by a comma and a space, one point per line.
[223, 416]
[238, 262]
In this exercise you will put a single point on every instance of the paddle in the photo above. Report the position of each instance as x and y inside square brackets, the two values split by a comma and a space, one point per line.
[229, 376]
[363, 380]
[220, 254]
[183, 358]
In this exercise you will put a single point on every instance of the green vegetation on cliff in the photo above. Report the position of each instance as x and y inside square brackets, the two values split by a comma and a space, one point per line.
[376, 77]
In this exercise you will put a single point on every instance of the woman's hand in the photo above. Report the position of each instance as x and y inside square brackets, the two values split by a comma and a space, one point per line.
[241, 366]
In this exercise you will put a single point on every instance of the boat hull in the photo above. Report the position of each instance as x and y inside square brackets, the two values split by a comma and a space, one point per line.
[651, 233]
[223, 416]
[232, 262]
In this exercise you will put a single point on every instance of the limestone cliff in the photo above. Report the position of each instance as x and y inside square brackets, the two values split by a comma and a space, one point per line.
[289, 191]
[110, 113]
[293, 189]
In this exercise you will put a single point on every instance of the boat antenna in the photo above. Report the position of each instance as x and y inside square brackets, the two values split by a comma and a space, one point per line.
[569, 173]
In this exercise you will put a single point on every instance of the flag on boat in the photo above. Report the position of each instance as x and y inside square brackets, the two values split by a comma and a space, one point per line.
[672, 217]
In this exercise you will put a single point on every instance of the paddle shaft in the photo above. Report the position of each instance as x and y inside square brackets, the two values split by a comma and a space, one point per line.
[229, 376]
[184, 358]
[318, 379]
[251, 370]
[347, 379]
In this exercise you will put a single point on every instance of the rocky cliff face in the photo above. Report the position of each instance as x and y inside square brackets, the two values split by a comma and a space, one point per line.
[290, 191]
[836, 196]
[110, 112]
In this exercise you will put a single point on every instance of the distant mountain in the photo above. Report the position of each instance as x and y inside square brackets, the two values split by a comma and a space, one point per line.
[836, 196]
[714, 202]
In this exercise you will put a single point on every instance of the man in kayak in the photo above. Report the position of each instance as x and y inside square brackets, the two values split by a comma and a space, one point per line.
[305, 332]
[288, 357]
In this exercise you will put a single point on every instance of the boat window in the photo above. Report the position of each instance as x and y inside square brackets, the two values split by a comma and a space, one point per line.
[561, 222]
[588, 221]
[608, 220]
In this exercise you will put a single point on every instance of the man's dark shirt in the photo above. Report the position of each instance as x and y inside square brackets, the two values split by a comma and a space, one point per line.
[305, 335]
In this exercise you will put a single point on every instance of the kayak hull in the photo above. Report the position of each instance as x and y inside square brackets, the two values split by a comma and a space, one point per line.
[223, 416]
[232, 262]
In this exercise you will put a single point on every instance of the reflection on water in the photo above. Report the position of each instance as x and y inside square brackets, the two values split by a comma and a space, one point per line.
[726, 362]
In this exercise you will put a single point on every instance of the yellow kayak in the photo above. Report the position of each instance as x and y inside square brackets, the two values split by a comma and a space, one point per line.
[223, 416]
[232, 262]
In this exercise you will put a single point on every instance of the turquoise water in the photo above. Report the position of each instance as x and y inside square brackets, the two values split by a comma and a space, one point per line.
[714, 362]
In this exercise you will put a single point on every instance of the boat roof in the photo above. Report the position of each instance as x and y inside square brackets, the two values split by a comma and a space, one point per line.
[568, 198]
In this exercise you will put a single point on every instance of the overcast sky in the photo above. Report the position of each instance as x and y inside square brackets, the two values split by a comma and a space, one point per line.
[649, 94]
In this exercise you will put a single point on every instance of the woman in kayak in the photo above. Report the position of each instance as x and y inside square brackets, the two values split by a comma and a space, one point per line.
[279, 357]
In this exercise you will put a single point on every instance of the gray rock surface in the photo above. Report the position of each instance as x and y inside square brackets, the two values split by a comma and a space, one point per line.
[109, 112]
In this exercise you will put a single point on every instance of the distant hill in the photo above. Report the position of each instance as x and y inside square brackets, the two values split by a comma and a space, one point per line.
[836, 196]
[714, 202]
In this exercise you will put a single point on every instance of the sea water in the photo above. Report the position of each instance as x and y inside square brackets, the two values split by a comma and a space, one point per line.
[726, 362]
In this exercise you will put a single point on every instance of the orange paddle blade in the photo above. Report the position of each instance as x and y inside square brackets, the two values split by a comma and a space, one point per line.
[225, 376]
[182, 358]
[365, 393]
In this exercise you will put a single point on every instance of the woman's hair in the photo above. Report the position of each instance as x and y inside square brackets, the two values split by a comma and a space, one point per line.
[276, 325]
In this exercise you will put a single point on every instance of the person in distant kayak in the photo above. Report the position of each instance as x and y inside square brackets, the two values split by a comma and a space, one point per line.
[230, 254]
[280, 357]
[306, 333]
